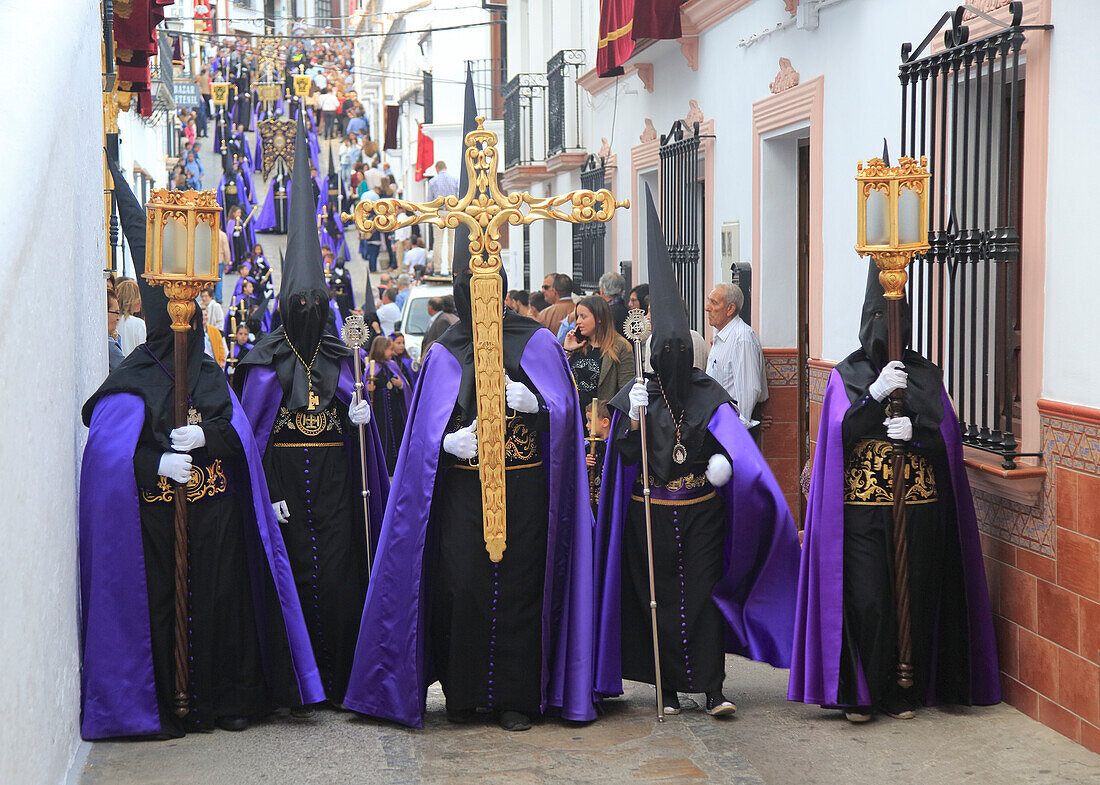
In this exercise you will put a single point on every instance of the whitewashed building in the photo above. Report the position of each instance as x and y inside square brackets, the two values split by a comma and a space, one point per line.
[787, 96]
[416, 62]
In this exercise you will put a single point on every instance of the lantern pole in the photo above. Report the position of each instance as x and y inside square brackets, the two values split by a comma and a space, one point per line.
[181, 289]
[893, 258]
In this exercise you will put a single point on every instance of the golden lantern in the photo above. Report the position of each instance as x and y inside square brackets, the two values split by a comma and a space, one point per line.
[302, 85]
[219, 93]
[181, 254]
[892, 217]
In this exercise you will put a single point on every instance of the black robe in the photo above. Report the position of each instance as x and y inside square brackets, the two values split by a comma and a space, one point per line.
[388, 402]
[486, 634]
[869, 643]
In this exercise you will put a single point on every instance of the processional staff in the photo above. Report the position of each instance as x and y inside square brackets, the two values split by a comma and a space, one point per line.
[892, 227]
[484, 210]
[355, 333]
[187, 221]
[637, 331]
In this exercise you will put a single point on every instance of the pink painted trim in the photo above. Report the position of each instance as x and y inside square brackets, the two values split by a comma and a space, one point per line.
[798, 104]
[698, 16]
[611, 167]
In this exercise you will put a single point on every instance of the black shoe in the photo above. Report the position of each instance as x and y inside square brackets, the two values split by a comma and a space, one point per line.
[514, 721]
[858, 714]
[302, 712]
[670, 701]
[461, 716]
[232, 723]
[898, 707]
[718, 705]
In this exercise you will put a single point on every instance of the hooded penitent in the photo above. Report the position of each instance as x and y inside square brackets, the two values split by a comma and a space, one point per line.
[306, 336]
[431, 546]
[126, 560]
[843, 651]
[739, 539]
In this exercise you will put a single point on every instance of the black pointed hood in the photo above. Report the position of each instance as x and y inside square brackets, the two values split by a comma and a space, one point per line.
[307, 333]
[671, 345]
[873, 322]
[461, 261]
[302, 269]
[133, 219]
[689, 396]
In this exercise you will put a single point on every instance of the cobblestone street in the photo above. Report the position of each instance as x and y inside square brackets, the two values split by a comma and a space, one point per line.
[770, 741]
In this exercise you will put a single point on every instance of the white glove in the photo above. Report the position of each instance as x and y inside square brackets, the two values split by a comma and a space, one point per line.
[900, 429]
[639, 399]
[175, 466]
[462, 444]
[519, 397]
[719, 470]
[282, 512]
[893, 377]
[188, 438]
[358, 411]
[231, 370]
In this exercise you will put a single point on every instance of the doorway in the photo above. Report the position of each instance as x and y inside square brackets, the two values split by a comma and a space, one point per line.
[803, 234]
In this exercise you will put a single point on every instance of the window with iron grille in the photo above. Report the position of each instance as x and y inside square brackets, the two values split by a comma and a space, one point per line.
[525, 120]
[563, 98]
[681, 208]
[963, 108]
[588, 238]
[429, 101]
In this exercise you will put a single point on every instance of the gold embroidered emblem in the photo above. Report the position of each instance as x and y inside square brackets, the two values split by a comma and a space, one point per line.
[311, 423]
[869, 476]
[208, 481]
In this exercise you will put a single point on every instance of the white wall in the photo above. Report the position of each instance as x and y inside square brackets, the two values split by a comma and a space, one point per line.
[1071, 341]
[52, 222]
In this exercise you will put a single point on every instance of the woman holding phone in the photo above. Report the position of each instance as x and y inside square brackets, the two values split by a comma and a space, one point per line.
[602, 361]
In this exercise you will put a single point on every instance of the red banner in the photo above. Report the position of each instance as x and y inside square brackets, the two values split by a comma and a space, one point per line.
[624, 23]
[425, 152]
[135, 33]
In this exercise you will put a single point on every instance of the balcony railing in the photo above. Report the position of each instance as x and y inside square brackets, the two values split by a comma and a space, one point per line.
[489, 75]
[564, 101]
[525, 120]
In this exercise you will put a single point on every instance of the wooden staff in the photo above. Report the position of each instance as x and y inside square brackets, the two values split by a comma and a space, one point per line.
[901, 537]
[592, 415]
[354, 334]
[637, 331]
[182, 692]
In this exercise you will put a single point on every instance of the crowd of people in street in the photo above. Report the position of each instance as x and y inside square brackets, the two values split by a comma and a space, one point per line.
[313, 468]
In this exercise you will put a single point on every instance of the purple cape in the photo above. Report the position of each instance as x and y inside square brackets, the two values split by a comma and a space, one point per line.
[815, 661]
[118, 694]
[265, 219]
[390, 676]
[262, 396]
[756, 593]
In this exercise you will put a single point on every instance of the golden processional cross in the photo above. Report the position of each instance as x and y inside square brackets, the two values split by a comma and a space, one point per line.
[484, 210]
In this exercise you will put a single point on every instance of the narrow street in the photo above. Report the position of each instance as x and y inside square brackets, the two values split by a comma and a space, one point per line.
[274, 243]
[769, 742]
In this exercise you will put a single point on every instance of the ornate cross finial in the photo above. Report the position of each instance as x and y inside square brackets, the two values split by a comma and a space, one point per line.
[484, 209]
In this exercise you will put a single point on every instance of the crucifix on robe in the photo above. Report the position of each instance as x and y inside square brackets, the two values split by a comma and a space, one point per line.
[484, 209]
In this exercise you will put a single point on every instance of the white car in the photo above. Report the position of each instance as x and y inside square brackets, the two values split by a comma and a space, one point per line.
[414, 314]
